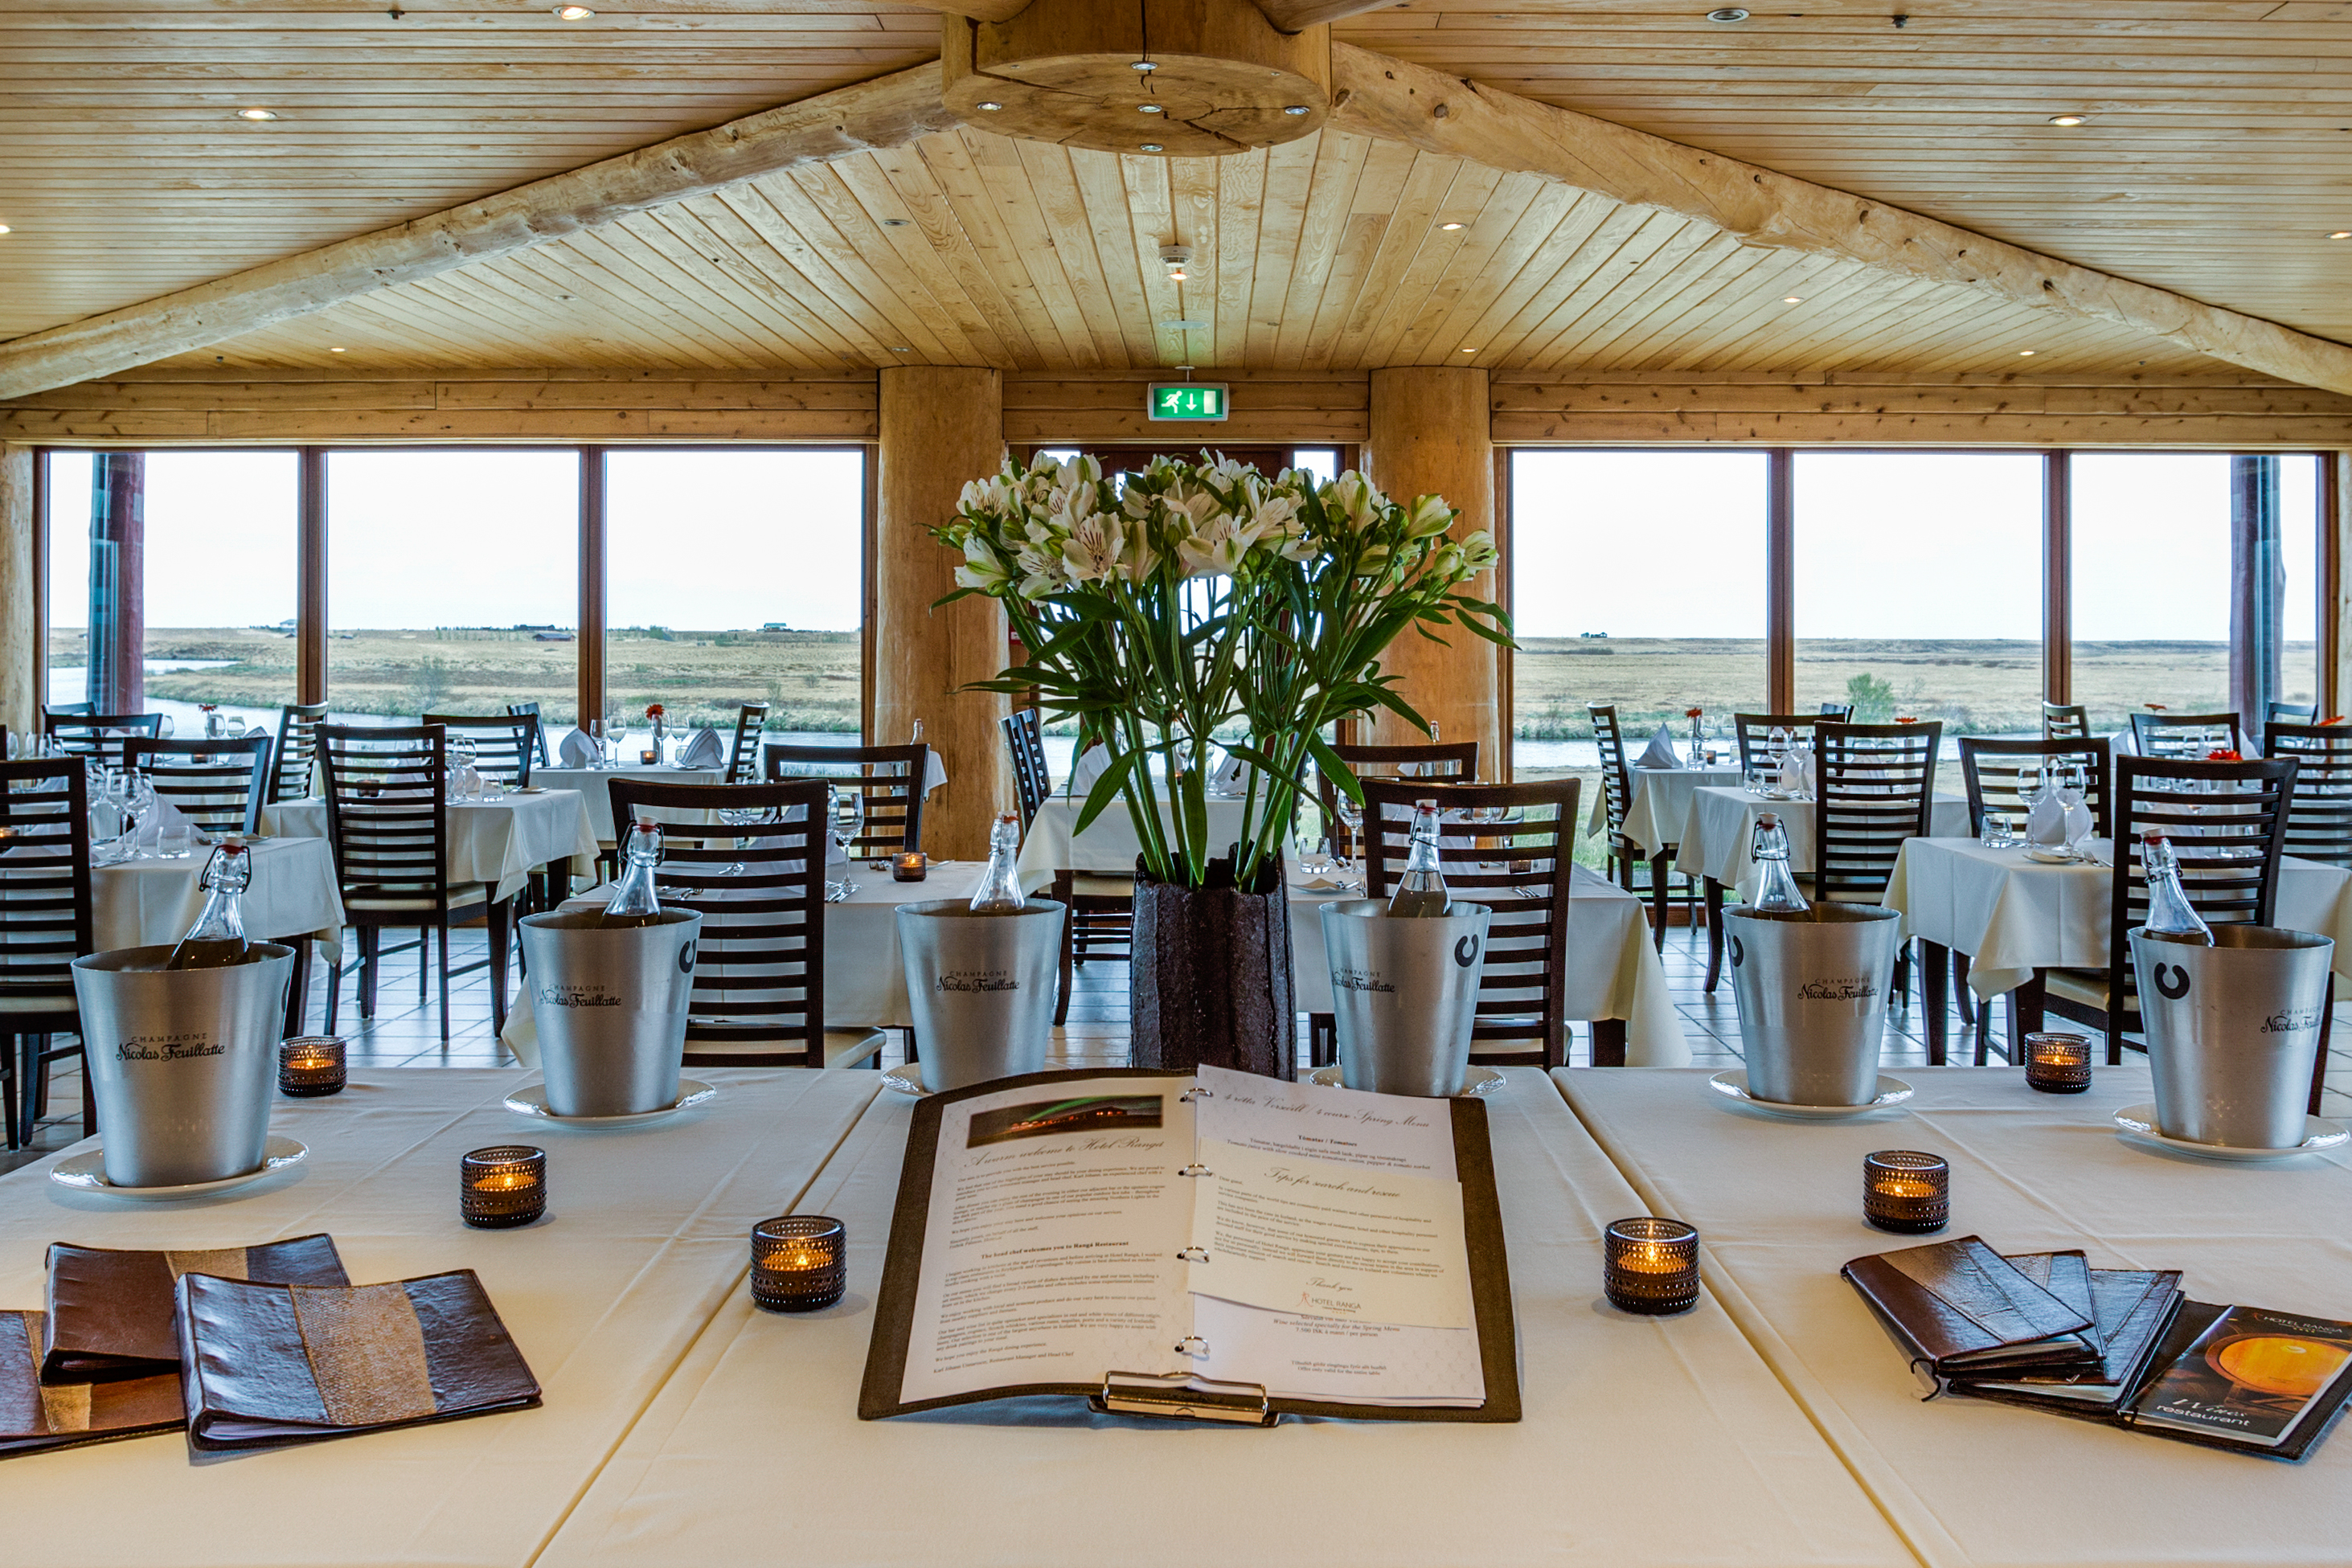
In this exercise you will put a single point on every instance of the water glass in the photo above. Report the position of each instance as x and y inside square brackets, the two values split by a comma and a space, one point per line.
[1759, 781]
[173, 838]
[1998, 834]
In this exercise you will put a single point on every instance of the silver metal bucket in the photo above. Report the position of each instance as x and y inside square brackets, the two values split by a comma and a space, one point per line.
[182, 1063]
[1811, 989]
[1404, 994]
[980, 988]
[611, 1005]
[2232, 1032]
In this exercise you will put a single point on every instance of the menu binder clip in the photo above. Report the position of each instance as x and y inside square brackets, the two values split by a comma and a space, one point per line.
[1143, 1393]
[1192, 1255]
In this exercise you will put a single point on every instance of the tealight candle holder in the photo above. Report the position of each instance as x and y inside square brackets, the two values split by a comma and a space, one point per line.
[311, 1064]
[503, 1186]
[2058, 1064]
[1905, 1191]
[800, 1262]
[909, 865]
[1651, 1266]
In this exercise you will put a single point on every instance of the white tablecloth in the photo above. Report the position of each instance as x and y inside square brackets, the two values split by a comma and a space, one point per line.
[1720, 828]
[1778, 1206]
[592, 783]
[1613, 972]
[865, 977]
[293, 892]
[1109, 845]
[2012, 915]
[497, 841]
[1644, 1442]
[644, 1240]
[1661, 801]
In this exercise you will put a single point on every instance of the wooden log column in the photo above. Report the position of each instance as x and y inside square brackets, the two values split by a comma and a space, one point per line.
[941, 425]
[27, 662]
[1429, 435]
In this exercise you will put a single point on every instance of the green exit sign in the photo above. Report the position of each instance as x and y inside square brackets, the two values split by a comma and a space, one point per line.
[1187, 399]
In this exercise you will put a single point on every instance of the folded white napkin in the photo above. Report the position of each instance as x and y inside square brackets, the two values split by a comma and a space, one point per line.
[1661, 751]
[935, 772]
[576, 751]
[1087, 769]
[1796, 771]
[2045, 826]
[704, 750]
[161, 817]
[1231, 776]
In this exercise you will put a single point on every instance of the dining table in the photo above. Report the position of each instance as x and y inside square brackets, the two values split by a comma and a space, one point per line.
[1109, 845]
[593, 787]
[497, 840]
[1969, 1483]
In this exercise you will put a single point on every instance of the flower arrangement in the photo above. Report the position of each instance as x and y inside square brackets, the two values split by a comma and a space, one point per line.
[1198, 598]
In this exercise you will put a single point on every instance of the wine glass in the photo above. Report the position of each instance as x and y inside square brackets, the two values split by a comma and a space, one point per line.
[1776, 744]
[743, 817]
[2073, 782]
[849, 821]
[138, 804]
[1351, 817]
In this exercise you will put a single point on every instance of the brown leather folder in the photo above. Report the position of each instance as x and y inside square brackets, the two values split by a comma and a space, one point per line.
[1959, 1306]
[110, 1312]
[34, 1416]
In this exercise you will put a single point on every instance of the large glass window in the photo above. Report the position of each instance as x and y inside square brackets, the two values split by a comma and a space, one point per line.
[737, 576]
[1918, 588]
[1637, 578]
[2298, 491]
[2151, 578]
[198, 548]
[452, 579]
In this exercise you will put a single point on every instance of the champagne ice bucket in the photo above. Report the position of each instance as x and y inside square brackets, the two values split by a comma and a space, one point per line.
[611, 1004]
[182, 1063]
[980, 988]
[1404, 994]
[2232, 1032]
[1811, 989]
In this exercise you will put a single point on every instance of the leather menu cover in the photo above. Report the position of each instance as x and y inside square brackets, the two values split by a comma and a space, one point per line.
[2135, 1307]
[2067, 1276]
[1957, 1303]
[266, 1365]
[111, 1311]
[34, 1416]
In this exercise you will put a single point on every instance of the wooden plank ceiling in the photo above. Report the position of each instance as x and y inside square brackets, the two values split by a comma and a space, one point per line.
[2212, 162]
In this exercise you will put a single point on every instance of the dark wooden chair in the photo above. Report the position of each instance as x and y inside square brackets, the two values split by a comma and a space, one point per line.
[2318, 824]
[2182, 735]
[505, 745]
[46, 924]
[2289, 713]
[2227, 824]
[1874, 786]
[743, 757]
[1840, 711]
[889, 776]
[759, 976]
[2065, 721]
[217, 784]
[538, 730]
[1623, 855]
[1024, 742]
[1101, 920]
[388, 820]
[1995, 774]
[290, 764]
[1520, 868]
[1754, 730]
[93, 733]
[1454, 760]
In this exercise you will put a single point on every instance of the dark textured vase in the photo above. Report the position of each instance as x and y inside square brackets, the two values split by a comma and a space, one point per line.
[1210, 977]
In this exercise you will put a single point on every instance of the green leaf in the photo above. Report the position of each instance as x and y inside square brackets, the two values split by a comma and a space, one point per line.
[1104, 791]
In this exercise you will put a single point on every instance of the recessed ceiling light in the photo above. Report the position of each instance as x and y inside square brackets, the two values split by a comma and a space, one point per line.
[1152, 147]
[1728, 14]
[1294, 108]
[3, 228]
[2024, 353]
[1176, 274]
[2068, 119]
[1792, 299]
[902, 350]
[255, 114]
[334, 351]
[574, 13]
[1146, 67]
[1148, 108]
[1449, 228]
[990, 105]
[895, 223]
[1469, 351]
[2339, 234]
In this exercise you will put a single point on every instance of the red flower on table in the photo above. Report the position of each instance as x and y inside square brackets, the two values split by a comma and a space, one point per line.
[1693, 711]
[1907, 718]
[2153, 707]
[653, 710]
[2223, 757]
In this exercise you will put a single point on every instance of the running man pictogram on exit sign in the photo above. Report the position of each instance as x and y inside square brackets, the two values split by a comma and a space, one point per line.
[1187, 399]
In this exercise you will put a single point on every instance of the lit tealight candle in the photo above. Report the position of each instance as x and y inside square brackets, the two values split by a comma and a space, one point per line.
[911, 865]
[1906, 1191]
[2058, 1064]
[798, 1263]
[1651, 1266]
[502, 1186]
[311, 1064]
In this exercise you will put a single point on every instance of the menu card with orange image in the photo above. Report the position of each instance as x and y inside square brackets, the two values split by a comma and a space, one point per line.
[2250, 1378]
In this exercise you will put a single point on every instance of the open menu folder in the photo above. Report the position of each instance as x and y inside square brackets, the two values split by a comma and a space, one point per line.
[1211, 1244]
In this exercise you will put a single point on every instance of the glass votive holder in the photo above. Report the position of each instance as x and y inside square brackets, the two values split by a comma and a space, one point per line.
[502, 1186]
[2058, 1064]
[909, 865]
[800, 1262]
[1651, 1265]
[311, 1064]
[1906, 1191]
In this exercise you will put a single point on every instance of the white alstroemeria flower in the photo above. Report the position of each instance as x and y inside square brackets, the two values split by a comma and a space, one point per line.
[1430, 516]
[1042, 571]
[1093, 550]
[1351, 495]
[1479, 552]
[983, 569]
[1214, 548]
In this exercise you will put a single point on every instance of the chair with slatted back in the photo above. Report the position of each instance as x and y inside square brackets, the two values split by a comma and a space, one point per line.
[1874, 787]
[291, 763]
[2064, 721]
[1616, 793]
[2288, 713]
[743, 758]
[1024, 742]
[1842, 713]
[388, 821]
[890, 777]
[1753, 731]
[2228, 825]
[759, 971]
[538, 730]
[46, 922]
[1101, 921]
[1454, 760]
[2318, 825]
[2183, 735]
[216, 784]
[1998, 773]
[93, 733]
[1520, 868]
[505, 745]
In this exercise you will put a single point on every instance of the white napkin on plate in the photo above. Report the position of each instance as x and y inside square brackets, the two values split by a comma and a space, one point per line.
[1086, 770]
[2045, 826]
[1661, 751]
[1796, 771]
[704, 750]
[576, 751]
[164, 815]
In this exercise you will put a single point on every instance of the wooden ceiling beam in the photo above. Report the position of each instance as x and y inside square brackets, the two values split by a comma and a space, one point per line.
[1376, 95]
[1298, 15]
[888, 111]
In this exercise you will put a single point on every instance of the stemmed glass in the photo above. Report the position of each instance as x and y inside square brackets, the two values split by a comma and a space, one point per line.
[2073, 783]
[1351, 817]
[849, 822]
[138, 808]
[743, 817]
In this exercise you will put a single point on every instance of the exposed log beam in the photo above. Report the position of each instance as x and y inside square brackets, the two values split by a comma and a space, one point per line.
[1376, 95]
[978, 10]
[888, 111]
[1298, 15]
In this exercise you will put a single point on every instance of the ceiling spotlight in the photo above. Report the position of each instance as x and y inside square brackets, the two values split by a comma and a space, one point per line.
[1177, 275]
[255, 114]
[3, 228]
[1469, 351]
[1449, 228]
[1728, 14]
[1152, 147]
[1146, 67]
[1792, 299]
[2339, 234]
[2068, 119]
[1294, 108]
[572, 13]
[2024, 353]
[334, 351]
[990, 105]
[1149, 108]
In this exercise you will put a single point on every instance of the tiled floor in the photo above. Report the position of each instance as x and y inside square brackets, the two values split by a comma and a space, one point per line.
[406, 1032]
